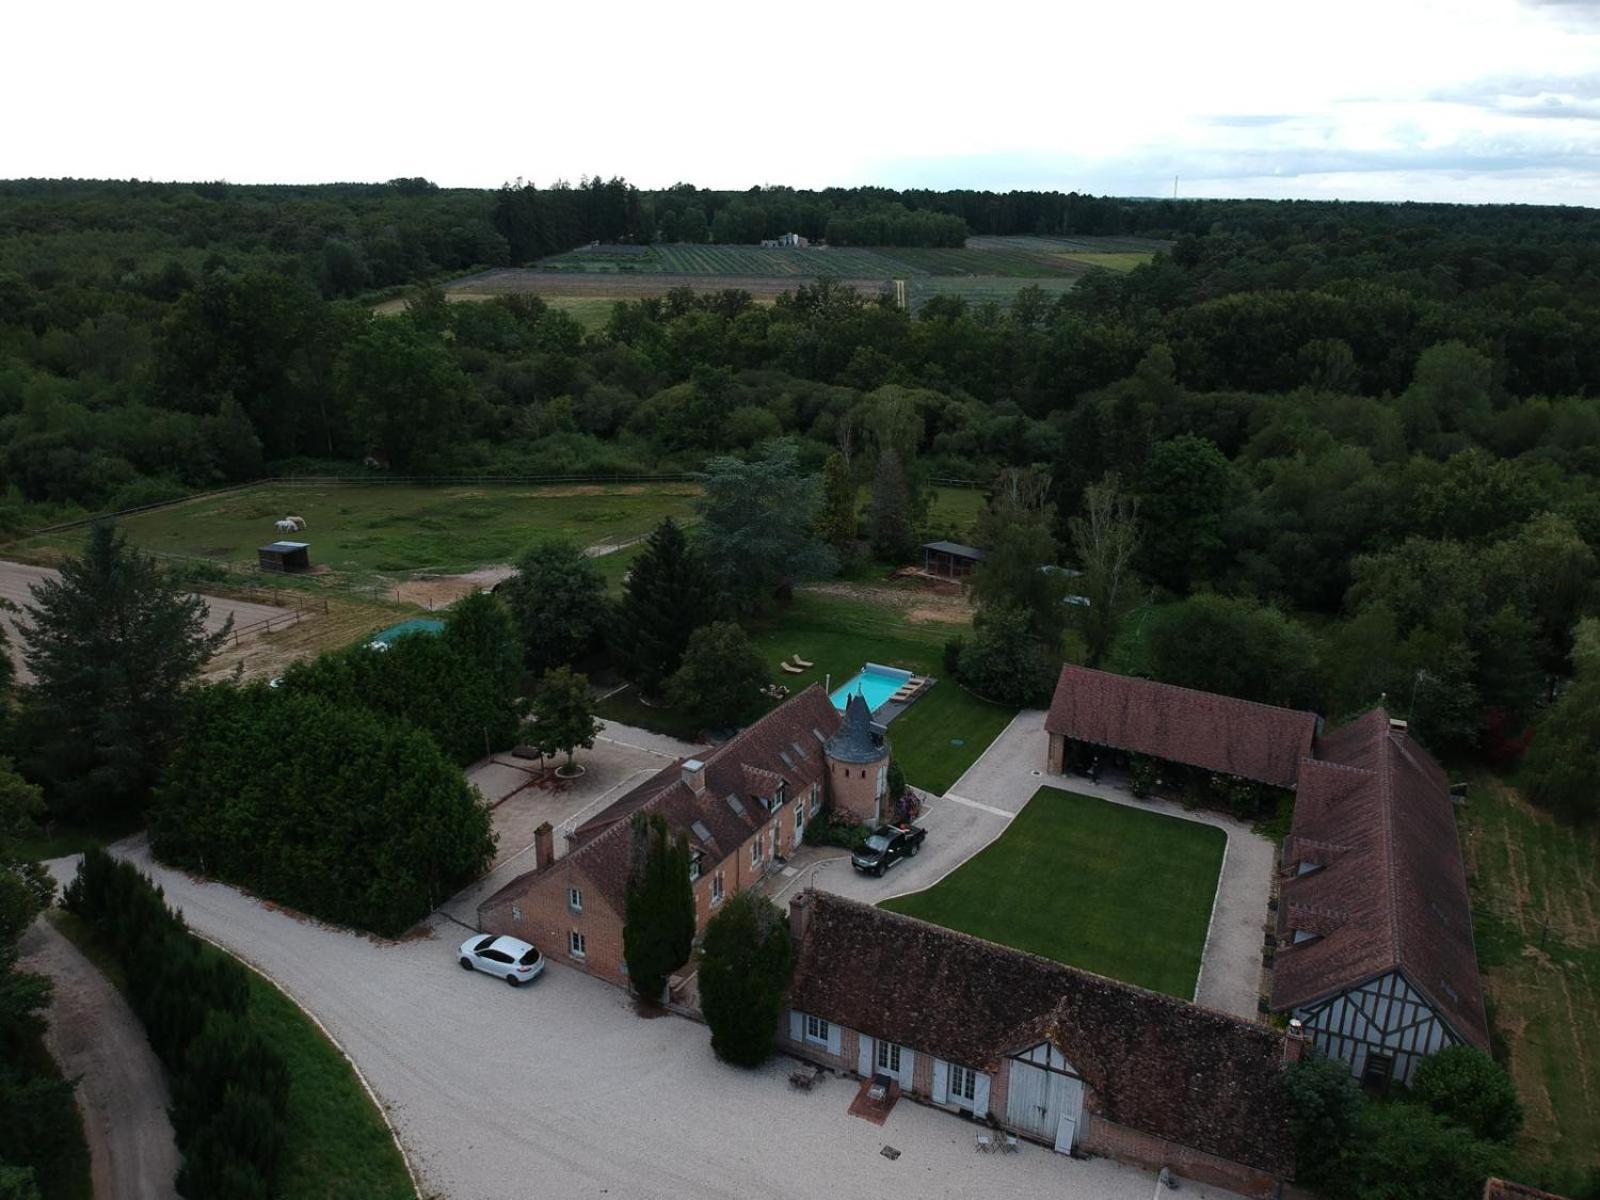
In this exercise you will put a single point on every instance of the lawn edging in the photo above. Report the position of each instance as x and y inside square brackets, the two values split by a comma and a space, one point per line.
[1211, 922]
[361, 1078]
[973, 766]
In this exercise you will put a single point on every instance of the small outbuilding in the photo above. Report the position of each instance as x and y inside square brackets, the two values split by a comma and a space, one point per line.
[950, 559]
[285, 557]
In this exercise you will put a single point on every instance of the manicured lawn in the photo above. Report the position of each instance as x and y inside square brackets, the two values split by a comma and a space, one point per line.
[364, 528]
[942, 734]
[626, 707]
[338, 1147]
[1116, 890]
[1536, 914]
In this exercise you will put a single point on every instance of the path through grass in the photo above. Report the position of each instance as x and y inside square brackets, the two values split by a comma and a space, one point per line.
[1116, 890]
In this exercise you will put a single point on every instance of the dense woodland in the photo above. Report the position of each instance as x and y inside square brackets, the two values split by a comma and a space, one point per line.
[1374, 417]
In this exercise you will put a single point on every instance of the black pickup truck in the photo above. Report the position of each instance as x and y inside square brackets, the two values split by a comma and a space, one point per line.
[887, 845]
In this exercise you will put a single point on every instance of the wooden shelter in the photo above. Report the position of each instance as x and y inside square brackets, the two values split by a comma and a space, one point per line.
[285, 558]
[950, 559]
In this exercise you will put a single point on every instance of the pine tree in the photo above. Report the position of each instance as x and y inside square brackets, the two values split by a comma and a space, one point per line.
[837, 523]
[112, 646]
[889, 516]
[669, 594]
[658, 929]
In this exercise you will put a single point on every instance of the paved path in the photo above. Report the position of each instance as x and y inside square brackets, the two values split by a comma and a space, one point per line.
[122, 1092]
[559, 1089]
[980, 805]
[17, 579]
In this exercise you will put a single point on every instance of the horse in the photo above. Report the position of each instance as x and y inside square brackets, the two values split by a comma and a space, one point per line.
[286, 526]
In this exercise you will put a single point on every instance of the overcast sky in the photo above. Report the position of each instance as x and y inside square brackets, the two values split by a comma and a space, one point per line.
[1471, 100]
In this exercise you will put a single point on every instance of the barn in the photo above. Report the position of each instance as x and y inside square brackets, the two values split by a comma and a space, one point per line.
[285, 557]
[951, 560]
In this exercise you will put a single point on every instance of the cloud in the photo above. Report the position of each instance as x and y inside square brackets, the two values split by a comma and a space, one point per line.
[1569, 14]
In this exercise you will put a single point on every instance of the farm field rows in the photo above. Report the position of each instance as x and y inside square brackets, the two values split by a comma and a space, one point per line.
[605, 288]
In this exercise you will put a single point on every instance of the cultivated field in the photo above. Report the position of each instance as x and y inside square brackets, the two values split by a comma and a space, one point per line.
[374, 529]
[1536, 907]
[987, 269]
[1070, 880]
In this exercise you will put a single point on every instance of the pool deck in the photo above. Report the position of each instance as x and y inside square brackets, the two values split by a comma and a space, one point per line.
[890, 709]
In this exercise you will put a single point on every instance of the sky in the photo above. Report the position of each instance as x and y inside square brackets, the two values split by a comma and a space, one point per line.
[1471, 100]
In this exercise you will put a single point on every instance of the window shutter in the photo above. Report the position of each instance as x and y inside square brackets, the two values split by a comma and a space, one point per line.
[941, 1080]
[797, 1027]
[980, 1095]
[864, 1059]
[833, 1038]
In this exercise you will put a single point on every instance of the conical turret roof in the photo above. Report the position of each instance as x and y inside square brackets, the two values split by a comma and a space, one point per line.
[854, 742]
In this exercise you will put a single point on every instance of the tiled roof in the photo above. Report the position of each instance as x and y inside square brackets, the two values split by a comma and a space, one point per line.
[1389, 892]
[854, 742]
[747, 767]
[1217, 733]
[1155, 1063]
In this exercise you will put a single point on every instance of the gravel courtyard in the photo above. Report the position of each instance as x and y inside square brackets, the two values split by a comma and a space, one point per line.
[559, 1089]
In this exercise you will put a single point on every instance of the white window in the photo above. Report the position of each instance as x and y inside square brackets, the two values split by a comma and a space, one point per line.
[781, 794]
[816, 799]
[888, 1057]
[816, 1030]
[799, 819]
[575, 899]
[576, 945]
[716, 888]
[963, 1084]
[883, 781]
[755, 853]
[694, 868]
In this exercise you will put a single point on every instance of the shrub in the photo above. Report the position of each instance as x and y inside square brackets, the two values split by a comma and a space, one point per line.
[825, 829]
[745, 964]
[341, 813]
[1464, 1085]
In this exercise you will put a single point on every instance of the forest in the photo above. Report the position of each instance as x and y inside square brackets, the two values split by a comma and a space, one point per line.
[1367, 425]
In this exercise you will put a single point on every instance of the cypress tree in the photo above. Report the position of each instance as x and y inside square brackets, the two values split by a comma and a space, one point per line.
[669, 594]
[837, 524]
[658, 930]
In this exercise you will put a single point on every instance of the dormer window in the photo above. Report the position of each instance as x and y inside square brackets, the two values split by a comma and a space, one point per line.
[781, 794]
[1307, 867]
[1302, 936]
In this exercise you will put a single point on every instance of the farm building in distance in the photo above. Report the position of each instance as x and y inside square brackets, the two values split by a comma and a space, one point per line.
[950, 560]
[786, 241]
[285, 558]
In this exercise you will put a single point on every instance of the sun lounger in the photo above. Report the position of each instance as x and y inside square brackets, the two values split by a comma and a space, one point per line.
[789, 669]
[802, 663]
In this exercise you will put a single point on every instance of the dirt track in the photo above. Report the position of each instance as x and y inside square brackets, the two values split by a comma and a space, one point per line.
[17, 579]
[122, 1092]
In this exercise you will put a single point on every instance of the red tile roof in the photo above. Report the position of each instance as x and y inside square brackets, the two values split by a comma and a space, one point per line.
[1202, 729]
[1374, 813]
[1162, 1065]
[785, 746]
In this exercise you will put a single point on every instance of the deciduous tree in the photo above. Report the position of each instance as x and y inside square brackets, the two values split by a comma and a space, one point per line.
[558, 598]
[563, 713]
[1105, 538]
[721, 678]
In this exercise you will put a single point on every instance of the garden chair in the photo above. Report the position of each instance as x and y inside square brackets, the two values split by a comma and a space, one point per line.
[1009, 1146]
[984, 1143]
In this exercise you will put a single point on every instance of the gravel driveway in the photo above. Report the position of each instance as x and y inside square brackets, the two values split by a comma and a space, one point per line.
[559, 1089]
[122, 1092]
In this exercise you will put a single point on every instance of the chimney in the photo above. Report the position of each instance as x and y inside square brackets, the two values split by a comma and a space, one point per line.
[694, 775]
[1398, 728]
[544, 846]
[799, 917]
[1295, 1042]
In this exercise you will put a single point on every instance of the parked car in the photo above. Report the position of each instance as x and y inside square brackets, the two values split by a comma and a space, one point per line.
[512, 959]
[887, 845]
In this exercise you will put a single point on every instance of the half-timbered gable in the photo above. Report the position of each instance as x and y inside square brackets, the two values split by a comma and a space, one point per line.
[1374, 928]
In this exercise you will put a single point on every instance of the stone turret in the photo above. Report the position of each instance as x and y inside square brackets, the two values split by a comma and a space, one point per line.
[858, 766]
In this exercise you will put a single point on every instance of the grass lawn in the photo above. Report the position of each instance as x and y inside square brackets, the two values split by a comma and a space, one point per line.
[1120, 891]
[362, 529]
[942, 734]
[338, 1147]
[626, 708]
[1536, 913]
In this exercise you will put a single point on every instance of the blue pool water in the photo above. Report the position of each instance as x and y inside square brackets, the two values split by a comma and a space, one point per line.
[875, 683]
[415, 625]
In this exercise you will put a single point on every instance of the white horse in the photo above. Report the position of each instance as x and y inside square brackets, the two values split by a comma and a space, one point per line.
[299, 523]
[287, 526]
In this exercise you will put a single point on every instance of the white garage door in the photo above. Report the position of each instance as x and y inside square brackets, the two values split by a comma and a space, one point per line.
[1045, 1103]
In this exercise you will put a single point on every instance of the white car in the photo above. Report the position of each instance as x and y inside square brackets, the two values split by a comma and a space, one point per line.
[512, 959]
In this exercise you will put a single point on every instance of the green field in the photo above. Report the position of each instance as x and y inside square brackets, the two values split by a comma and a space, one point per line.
[337, 1146]
[1120, 891]
[1536, 912]
[370, 528]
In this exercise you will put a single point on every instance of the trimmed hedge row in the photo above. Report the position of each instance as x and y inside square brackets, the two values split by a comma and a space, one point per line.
[229, 1087]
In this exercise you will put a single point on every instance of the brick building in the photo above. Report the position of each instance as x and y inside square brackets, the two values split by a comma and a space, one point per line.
[1058, 1055]
[743, 807]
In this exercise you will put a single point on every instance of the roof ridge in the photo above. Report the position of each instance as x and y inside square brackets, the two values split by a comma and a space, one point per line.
[1386, 799]
[1335, 765]
[1178, 687]
[716, 752]
[830, 899]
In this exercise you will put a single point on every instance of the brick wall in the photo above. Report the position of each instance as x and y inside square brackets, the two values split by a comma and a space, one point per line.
[853, 791]
[542, 915]
[1104, 1137]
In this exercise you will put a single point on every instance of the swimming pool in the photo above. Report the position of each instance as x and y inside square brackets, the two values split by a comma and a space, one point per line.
[415, 625]
[875, 683]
